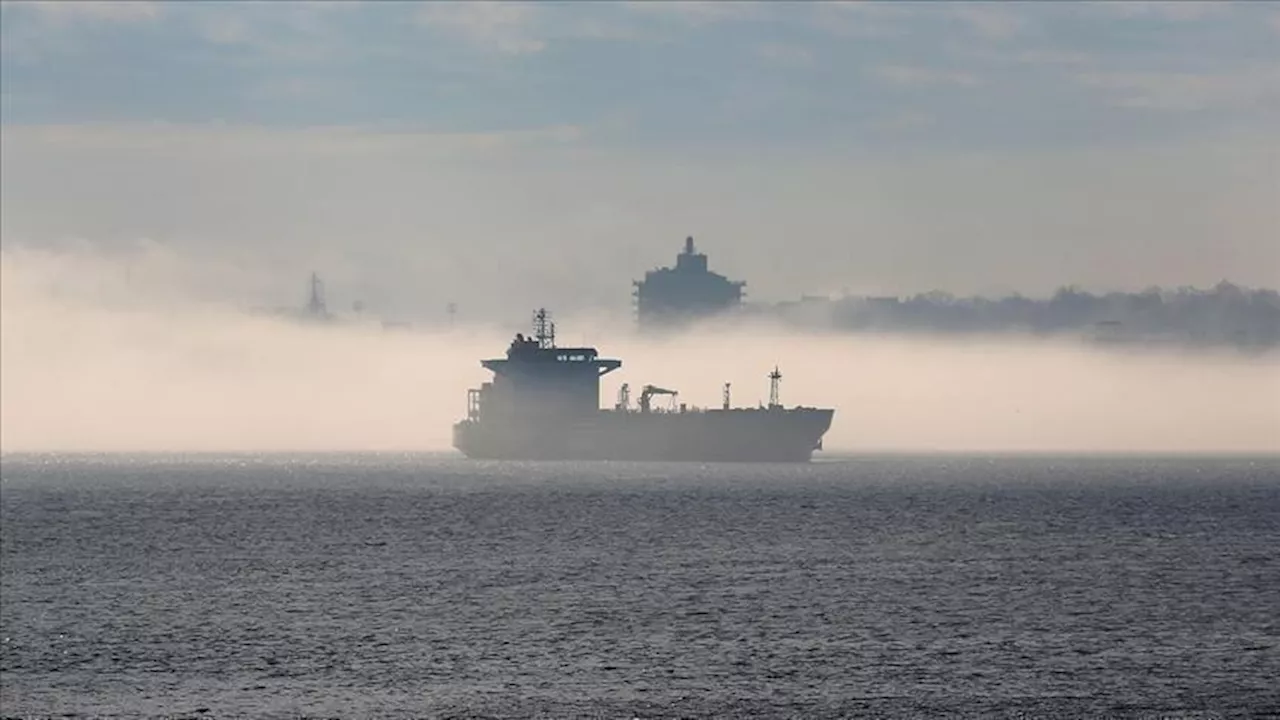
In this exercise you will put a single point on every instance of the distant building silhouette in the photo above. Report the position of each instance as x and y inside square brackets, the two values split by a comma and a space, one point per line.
[1225, 315]
[671, 296]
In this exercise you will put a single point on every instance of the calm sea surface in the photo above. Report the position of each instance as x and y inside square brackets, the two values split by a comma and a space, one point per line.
[425, 586]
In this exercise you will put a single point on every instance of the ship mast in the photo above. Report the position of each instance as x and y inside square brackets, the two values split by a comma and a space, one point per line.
[726, 396]
[775, 378]
[543, 329]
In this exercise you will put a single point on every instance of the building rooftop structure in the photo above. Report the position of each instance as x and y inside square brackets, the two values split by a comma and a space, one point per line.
[669, 297]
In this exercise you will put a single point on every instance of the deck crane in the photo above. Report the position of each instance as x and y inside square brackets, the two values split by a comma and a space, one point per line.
[648, 392]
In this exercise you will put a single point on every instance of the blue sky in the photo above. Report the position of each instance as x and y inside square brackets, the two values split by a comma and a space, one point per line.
[682, 108]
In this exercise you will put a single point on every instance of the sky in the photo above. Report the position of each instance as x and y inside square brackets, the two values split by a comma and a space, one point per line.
[503, 155]
[165, 165]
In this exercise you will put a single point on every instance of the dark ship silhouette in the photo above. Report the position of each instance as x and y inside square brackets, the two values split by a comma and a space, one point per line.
[544, 404]
[317, 312]
[670, 298]
[316, 309]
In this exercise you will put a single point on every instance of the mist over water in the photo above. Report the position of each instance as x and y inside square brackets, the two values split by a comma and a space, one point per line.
[100, 355]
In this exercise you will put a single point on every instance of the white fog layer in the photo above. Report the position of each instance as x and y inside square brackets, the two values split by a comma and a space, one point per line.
[97, 358]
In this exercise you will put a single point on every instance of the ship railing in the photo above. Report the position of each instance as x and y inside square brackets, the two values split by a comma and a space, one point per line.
[683, 410]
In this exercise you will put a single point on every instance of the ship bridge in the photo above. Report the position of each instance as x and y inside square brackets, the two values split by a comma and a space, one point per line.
[538, 379]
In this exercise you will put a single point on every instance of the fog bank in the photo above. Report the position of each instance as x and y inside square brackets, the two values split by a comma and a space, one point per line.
[94, 359]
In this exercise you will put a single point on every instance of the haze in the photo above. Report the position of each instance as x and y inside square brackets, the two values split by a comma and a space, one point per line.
[96, 358]
[166, 166]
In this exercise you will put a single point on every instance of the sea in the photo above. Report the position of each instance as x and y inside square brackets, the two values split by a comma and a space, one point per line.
[426, 585]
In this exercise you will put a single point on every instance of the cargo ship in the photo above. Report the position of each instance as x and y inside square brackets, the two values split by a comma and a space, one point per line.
[543, 403]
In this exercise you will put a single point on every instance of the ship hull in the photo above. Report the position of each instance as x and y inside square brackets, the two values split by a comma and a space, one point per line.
[749, 435]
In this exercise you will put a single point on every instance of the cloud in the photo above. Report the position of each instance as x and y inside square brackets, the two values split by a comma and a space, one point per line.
[1181, 11]
[906, 121]
[294, 33]
[257, 140]
[583, 27]
[861, 19]
[116, 11]
[504, 27]
[34, 30]
[1185, 91]
[226, 29]
[698, 12]
[785, 55]
[1054, 57]
[910, 76]
[989, 21]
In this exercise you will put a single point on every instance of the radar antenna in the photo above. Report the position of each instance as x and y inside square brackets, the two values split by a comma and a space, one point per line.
[543, 329]
[775, 379]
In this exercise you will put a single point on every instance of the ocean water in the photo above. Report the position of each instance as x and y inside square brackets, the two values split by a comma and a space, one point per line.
[427, 586]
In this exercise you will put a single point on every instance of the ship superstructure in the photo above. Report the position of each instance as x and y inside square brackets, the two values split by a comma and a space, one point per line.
[671, 297]
[544, 404]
